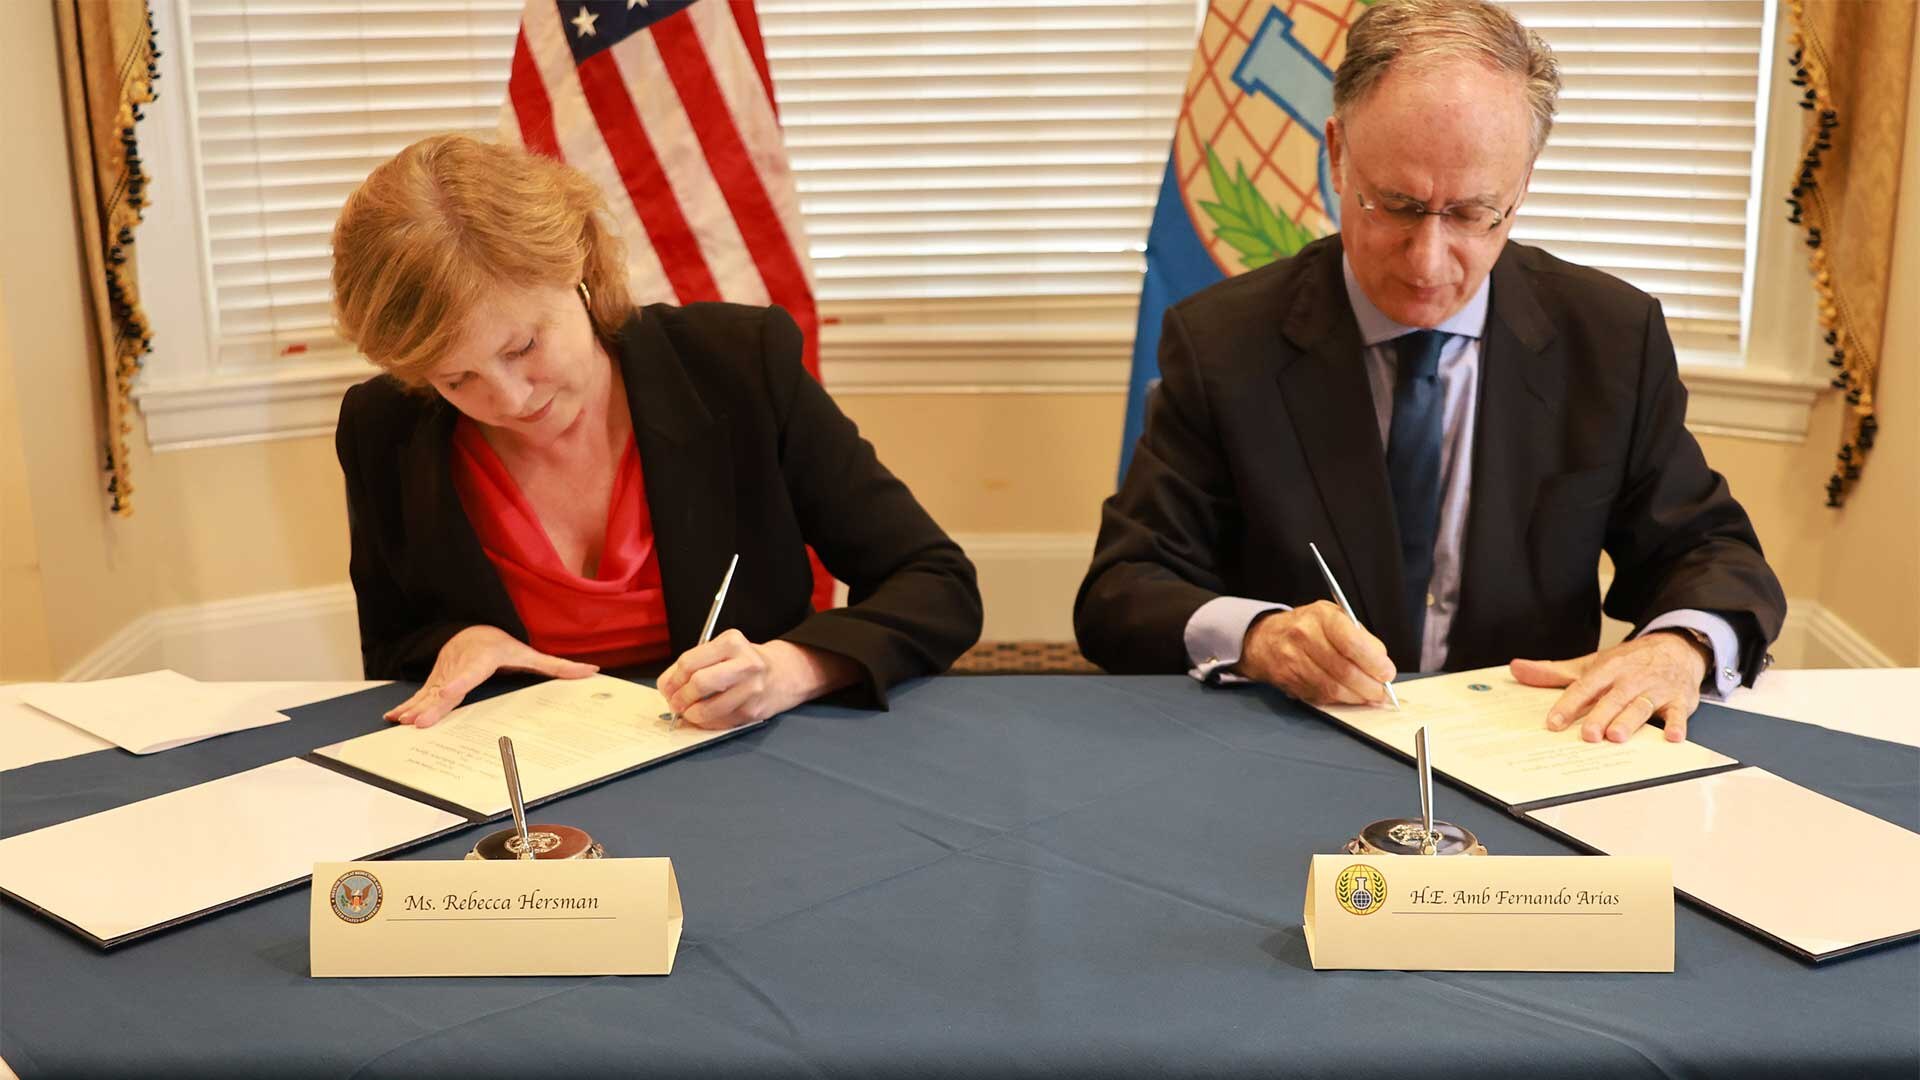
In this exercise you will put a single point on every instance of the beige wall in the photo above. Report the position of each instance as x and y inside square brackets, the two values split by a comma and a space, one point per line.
[89, 580]
[266, 517]
[23, 624]
[209, 524]
[999, 463]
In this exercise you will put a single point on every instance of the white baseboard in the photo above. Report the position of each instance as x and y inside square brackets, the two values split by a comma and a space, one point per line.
[135, 648]
[306, 634]
[1028, 581]
[1825, 640]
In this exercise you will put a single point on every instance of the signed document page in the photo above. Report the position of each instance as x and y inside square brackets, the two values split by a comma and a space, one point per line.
[566, 733]
[1490, 733]
[1794, 864]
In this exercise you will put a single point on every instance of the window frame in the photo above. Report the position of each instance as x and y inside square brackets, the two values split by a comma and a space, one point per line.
[1016, 346]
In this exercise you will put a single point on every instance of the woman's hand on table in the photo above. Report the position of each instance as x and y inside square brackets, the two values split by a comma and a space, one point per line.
[468, 659]
[731, 681]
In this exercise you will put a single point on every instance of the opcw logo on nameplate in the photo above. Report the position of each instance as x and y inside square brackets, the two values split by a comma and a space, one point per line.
[1490, 913]
[473, 917]
[1360, 889]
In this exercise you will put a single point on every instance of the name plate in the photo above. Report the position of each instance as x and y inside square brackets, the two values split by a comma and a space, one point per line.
[1490, 913]
[471, 917]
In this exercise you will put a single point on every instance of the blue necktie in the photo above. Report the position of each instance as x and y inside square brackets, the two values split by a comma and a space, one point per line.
[1413, 465]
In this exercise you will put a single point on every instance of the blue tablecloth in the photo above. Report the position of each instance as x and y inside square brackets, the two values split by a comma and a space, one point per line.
[1006, 876]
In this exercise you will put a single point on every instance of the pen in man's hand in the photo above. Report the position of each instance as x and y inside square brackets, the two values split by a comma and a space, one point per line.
[1341, 598]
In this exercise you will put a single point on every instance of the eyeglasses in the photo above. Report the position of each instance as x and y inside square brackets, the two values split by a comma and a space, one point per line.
[1466, 219]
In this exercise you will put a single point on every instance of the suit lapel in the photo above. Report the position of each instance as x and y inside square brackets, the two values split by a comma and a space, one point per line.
[1330, 402]
[686, 457]
[445, 548]
[1521, 388]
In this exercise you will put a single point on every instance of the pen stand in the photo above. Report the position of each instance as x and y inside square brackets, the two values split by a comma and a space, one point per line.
[1402, 836]
[547, 842]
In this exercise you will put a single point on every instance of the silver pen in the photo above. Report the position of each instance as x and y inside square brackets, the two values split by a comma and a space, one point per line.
[713, 617]
[1341, 598]
[514, 800]
[1424, 765]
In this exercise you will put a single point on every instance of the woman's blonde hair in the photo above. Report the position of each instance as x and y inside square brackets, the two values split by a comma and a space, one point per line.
[450, 219]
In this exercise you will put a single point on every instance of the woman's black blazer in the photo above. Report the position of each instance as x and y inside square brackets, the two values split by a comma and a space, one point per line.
[742, 451]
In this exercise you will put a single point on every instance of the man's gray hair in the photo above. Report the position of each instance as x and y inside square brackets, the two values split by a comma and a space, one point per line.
[1397, 30]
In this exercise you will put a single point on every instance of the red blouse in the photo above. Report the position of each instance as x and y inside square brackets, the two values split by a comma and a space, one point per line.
[618, 617]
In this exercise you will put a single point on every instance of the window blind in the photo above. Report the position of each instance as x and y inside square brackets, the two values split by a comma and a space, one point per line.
[1649, 171]
[996, 149]
[293, 104]
[993, 149]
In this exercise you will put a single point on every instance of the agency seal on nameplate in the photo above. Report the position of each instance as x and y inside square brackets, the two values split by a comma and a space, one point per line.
[355, 898]
[1417, 836]
[524, 841]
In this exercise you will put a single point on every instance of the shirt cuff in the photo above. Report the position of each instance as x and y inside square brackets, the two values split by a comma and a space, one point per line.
[1724, 675]
[1215, 633]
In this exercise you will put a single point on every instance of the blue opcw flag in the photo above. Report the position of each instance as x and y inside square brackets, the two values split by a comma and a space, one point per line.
[1247, 181]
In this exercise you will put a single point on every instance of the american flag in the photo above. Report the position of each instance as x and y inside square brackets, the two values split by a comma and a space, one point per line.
[669, 105]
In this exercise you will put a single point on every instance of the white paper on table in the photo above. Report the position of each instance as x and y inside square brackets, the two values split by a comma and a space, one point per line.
[29, 736]
[1877, 703]
[145, 864]
[155, 711]
[1808, 870]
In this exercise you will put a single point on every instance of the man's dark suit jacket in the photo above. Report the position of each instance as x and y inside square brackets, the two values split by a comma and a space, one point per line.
[1262, 437]
[742, 450]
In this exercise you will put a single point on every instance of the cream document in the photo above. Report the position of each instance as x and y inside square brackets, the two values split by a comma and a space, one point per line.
[566, 733]
[1487, 731]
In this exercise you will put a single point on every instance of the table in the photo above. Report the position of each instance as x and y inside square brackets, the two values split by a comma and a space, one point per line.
[1008, 876]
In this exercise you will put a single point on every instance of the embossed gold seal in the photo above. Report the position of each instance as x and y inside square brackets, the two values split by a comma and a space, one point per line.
[1403, 836]
[547, 842]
